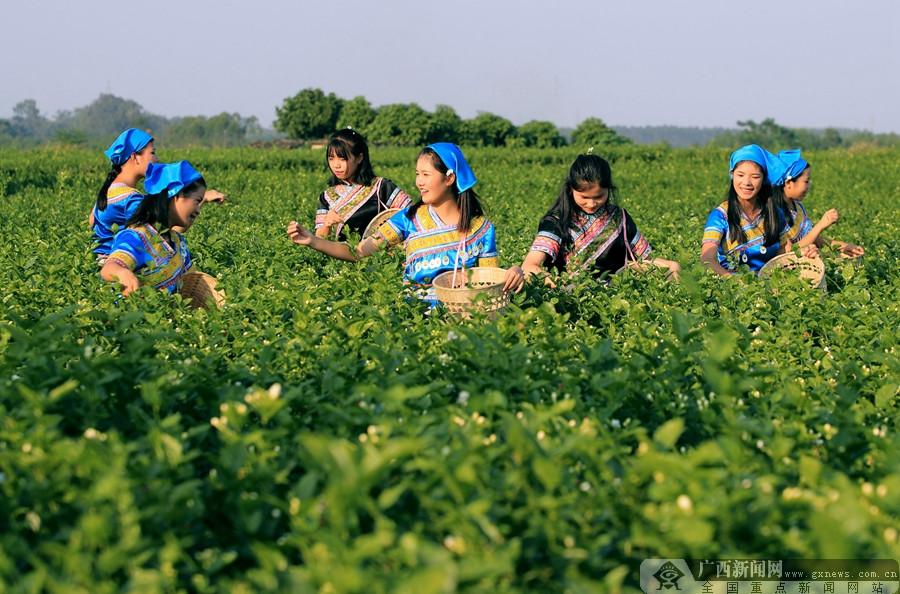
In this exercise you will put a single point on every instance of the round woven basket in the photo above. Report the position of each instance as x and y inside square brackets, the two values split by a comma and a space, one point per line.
[200, 289]
[380, 218]
[812, 269]
[481, 290]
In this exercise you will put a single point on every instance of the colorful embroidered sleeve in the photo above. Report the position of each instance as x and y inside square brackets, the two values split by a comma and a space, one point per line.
[802, 224]
[185, 253]
[716, 227]
[396, 229]
[640, 247]
[488, 253]
[547, 240]
[322, 210]
[392, 196]
[128, 250]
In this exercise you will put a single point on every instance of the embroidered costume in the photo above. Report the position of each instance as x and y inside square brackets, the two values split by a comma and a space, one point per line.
[802, 224]
[752, 253]
[154, 260]
[594, 241]
[432, 245]
[358, 204]
[122, 201]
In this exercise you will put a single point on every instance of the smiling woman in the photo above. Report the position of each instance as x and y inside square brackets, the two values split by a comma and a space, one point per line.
[151, 251]
[748, 228]
[444, 230]
[585, 230]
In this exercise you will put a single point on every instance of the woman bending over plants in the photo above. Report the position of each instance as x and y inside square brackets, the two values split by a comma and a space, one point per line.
[118, 198]
[443, 230]
[586, 230]
[150, 251]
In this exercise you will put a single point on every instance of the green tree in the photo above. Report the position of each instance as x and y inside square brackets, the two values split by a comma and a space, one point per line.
[309, 114]
[27, 120]
[487, 129]
[358, 114]
[398, 123]
[225, 129]
[539, 134]
[766, 134]
[445, 126]
[594, 132]
[109, 115]
[831, 138]
[71, 136]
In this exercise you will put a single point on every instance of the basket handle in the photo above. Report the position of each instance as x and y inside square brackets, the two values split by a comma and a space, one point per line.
[628, 253]
[461, 246]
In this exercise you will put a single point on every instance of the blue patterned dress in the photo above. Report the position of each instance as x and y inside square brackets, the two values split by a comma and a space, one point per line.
[752, 253]
[432, 245]
[121, 202]
[155, 261]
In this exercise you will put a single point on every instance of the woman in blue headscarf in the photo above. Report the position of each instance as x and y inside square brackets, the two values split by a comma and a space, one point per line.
[445, 229]
[789, 190]
[118, 198]
[151, 251]
[748, 228]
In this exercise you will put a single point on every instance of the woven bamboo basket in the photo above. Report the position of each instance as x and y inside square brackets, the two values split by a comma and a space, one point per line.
[812, 269]
[200, 289]
[480, 290]
[380, 218]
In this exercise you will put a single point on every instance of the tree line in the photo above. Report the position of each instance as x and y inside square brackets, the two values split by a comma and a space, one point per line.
[106, 117]
[312, 114]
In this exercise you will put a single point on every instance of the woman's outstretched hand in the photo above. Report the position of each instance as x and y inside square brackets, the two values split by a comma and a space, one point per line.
[852, 250]
[514, 281]
[300, 234]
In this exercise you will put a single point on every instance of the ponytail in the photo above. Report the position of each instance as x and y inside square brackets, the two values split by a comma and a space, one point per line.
[469, 208]
[104, 189]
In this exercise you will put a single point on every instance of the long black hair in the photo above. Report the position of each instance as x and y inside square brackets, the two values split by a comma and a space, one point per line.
[104, 189]
[110, 178]
[586, 171]
[348, 143]
[771, 220]
[154, 208]
[468, 201]
[781, 200]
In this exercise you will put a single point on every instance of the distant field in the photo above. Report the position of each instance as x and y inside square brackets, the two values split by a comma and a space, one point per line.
[320, 434]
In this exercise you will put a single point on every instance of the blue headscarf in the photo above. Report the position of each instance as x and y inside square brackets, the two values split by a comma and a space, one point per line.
[169, 177]
[770, 164]
[130, 141]
[793, 165]
[455, 162]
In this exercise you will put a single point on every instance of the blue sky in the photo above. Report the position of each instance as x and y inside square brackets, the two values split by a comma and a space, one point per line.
[704, 63]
